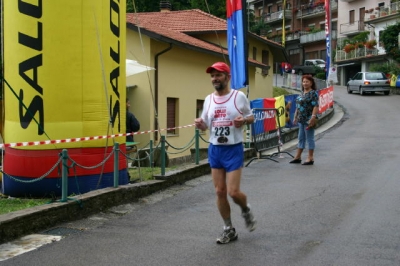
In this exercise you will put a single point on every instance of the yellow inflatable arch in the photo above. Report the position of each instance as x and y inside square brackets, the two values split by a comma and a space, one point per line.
[64, 62]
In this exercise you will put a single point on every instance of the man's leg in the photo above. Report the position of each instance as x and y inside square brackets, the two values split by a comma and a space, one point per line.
[233, 184]
[219, 178]
[229, 234]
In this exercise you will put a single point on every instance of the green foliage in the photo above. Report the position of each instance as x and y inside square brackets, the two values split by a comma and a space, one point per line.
[276, 92]
[321, 75]
[392, 68]
[14, 204]
[215, 7]
[389, 38]
[361, 37]
[259, 26]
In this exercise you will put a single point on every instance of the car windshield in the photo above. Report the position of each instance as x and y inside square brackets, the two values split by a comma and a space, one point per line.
[375, 76]
[320, 61]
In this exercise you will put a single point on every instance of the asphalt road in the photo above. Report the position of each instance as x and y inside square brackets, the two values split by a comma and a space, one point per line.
[343, 210]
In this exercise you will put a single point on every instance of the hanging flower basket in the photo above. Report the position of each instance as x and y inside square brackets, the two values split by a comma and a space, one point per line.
[349, 47]
[370, 44]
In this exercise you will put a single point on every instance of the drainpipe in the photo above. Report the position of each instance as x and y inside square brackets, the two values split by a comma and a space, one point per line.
[156, 90]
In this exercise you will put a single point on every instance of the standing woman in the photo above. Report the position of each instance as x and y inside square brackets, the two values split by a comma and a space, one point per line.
[306, 117]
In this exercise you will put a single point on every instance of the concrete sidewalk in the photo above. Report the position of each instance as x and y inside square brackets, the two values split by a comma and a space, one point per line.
[24, 222]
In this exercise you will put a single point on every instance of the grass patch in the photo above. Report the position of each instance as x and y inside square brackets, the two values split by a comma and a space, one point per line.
[8, 204]
[276, 92]
[146, 173]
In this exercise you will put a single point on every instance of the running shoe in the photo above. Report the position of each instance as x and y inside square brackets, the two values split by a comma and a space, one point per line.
[249, 219]
[227, 236]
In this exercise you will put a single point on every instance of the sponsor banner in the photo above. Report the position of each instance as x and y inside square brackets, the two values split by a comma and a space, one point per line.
[264, 119]
[325, 97]
[280, 106]
[290, 109]
[65, 61]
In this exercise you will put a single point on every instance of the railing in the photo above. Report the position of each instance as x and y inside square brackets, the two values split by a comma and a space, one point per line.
[317, 36]
[353, 27]
[276, 16]
[356, 53]
[383, 11]
[306, 10]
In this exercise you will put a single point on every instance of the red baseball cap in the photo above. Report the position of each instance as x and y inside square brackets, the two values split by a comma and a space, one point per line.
[219, 66]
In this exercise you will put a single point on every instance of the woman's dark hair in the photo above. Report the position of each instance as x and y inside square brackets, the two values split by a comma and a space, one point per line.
[310, 78]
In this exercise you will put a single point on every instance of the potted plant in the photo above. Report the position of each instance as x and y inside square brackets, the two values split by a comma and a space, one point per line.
[349, 47]
[359, 45]
[370, 44]
[371, 10]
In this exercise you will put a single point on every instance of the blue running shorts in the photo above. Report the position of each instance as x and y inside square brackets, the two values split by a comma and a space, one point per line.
[228, 157]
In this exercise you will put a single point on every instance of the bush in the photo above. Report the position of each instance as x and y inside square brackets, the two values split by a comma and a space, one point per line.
[321, 76]
[389, 68]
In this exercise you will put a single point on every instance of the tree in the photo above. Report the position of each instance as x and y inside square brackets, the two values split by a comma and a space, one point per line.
[389, 38]
[259, 27]
[215, 7]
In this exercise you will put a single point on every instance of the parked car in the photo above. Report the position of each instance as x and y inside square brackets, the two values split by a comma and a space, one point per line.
[310, 67]
[372, 82]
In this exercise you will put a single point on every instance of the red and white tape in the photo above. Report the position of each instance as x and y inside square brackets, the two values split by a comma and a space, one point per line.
[46, 142]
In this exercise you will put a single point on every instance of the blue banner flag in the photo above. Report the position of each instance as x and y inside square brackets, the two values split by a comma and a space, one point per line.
[328, 37]
[237, 43]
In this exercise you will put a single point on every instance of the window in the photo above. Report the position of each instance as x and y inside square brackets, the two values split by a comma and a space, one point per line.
[199, 107]
[362, 13]
[351, 17]
[255, 53]
[265, 61]
[172, 104]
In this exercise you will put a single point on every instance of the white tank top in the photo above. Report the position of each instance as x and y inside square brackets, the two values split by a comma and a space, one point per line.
[219, 113]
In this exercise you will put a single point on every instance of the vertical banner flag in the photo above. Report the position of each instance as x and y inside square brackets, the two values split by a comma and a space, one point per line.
[237, 42]
[328, 37]
[283, 24]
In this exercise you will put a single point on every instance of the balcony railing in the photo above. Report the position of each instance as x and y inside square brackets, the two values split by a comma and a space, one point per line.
[277, 16]
[306, 10]
[349, 28]
[317, 36]
[356, 53]
[393, 9]
[305, 36]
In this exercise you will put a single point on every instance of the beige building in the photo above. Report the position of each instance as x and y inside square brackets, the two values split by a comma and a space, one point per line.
[180, 45]
[363, 16]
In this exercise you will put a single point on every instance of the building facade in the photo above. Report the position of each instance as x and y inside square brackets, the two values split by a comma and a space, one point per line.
[304, 24]
[180, 45]
[363, 16]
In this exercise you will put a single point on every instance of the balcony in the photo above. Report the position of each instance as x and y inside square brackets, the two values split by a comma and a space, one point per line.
[352, 28]
[383, 13]
[277, 16]
[289, 37]
[357, 53]
[315, 10]
[317, 36]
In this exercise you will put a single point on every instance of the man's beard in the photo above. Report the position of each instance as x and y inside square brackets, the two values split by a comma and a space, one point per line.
[219, 87]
